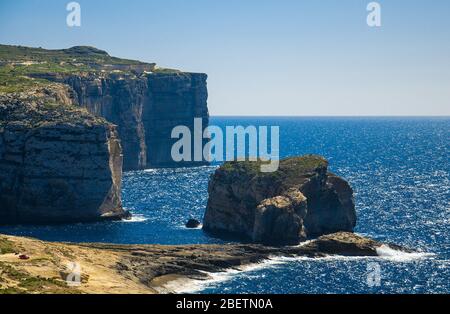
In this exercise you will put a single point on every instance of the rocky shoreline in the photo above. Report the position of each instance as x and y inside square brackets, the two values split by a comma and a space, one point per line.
[148, 268]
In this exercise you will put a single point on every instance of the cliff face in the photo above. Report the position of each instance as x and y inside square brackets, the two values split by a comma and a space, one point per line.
[145, 103]
[58, 163]
[301, 199]
[145, 109]
[61, 116]
[173, 99]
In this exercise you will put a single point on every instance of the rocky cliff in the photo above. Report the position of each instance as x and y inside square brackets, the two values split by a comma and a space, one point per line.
[58, 163]
[67, 115]
[144, 101]
[144, 106]
[299, 200]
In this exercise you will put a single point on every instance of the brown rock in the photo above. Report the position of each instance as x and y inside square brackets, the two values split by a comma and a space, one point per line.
[58, 163]
[301, 199]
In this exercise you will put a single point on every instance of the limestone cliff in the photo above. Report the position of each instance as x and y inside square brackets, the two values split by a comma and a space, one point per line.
[301, 199]
[58, 163]
[65, 117]
[144, 101]
[144, 107]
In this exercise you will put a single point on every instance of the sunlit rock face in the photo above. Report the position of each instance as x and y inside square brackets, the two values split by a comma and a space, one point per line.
[299, 200]
[145, 108]
[58, 163]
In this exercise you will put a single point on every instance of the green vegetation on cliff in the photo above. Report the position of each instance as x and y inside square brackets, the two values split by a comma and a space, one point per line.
[72, 56]
[290, 166]
[24, 67]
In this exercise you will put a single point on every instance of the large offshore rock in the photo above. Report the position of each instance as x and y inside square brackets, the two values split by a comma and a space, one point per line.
[58, 163]
[299, 200]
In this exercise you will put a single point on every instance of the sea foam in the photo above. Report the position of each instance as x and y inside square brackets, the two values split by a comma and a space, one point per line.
[384, 252]
[388, 253]
[135, 218]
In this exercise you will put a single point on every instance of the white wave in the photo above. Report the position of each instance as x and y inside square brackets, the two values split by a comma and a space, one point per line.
[195, 285]
[388, 253]
[303, 243]
[183, 227]
[136, 218]
[198, 227]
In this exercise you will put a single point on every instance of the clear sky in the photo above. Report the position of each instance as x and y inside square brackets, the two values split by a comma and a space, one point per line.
[267, 57]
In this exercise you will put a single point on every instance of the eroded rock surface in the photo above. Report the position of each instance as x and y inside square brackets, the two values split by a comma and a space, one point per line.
[114, 268]
[62, 114]
[145, 102]
[145, 107]
[301, 199]
[58, 162]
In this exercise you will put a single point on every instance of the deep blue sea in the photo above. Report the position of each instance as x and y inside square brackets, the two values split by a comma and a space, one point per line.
[398, 167]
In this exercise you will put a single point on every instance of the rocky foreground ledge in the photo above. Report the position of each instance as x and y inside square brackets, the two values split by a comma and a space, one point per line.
[33, 266]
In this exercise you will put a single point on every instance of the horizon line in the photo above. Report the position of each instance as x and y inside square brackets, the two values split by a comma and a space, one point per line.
[333, 116]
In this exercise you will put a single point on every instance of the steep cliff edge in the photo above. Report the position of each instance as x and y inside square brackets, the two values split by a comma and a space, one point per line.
[144, 101]
[65, 117]
[299, 200]
[145, 108]
[58, 163]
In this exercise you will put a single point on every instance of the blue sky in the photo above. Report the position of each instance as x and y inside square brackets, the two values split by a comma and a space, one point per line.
[267, 57]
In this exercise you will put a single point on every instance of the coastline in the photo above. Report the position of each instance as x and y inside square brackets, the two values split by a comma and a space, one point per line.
[144, 269]
[183, 284]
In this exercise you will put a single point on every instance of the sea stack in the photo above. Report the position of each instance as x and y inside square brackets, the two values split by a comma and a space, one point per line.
[300, 200]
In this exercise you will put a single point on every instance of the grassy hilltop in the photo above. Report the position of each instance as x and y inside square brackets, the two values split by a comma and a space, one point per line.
[20, 66]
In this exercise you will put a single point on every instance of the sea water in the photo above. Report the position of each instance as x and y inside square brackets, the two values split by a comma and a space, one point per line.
[398, 167]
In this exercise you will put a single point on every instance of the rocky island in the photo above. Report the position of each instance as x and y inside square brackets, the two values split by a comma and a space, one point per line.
[300, 200]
